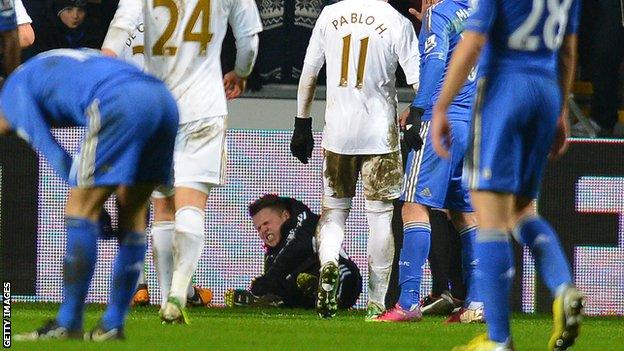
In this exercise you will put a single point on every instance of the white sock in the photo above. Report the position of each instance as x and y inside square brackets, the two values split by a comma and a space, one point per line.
[188, 244]
[331, 228]
[380, 249]
[162, 248]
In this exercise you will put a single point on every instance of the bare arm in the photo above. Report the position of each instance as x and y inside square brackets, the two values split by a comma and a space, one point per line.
[567, 65]
[11, 50]
[235, 81]
[26, 35]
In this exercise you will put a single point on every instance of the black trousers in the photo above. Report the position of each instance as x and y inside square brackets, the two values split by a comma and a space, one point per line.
[349, 289]
[606, 38]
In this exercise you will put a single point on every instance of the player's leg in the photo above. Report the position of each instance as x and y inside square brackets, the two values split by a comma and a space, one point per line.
[133, 207]
[188, 245]
[552, 264]
[416, 243]
[494, 252]
[200, 163]
[81, 218]
[472, 310]
[492, 168]
[535, 231]
[162, 239]
[340, 177]
[382, 177]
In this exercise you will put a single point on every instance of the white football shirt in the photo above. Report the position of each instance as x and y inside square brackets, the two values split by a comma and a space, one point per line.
[183, 46]
[134, 50]
[362, 42]
[21, 15]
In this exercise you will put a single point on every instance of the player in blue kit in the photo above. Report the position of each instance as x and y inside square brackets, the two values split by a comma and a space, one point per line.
[528, 55]
[431, 181]
[9, 41]
[131, 121]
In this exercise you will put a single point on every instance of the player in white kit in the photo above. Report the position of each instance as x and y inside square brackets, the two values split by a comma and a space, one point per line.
[183, 46]
[133, 52]
[361, 42]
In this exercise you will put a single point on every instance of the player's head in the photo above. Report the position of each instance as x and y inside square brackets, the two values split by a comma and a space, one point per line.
[71, 12]
[268, 214]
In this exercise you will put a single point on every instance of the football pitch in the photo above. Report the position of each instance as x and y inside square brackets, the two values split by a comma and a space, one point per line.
[286, 329]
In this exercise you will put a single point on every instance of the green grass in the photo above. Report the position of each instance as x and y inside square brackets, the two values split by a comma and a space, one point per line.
[283, 329]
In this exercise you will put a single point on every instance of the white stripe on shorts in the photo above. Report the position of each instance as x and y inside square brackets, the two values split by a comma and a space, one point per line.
[86, 170]
[414, 171]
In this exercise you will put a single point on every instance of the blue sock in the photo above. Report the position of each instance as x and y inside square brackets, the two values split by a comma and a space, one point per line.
[416, 242]
[468, 237]
[78, 267]
[550, 259]
[495, 277]
[126, 271]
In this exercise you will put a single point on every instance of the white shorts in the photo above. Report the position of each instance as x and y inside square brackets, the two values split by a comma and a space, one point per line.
[200, 154]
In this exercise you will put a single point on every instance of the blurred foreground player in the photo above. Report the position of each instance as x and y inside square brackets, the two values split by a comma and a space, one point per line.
[526, 71]
[127, 151]
[362, 42]
[182, 45]
[291, 264]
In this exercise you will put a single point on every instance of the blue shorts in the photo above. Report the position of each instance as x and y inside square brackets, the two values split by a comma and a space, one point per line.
[514, 125]
[436, 182]
[129, 138]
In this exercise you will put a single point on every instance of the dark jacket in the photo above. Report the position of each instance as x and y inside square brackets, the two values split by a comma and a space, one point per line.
[296, 254]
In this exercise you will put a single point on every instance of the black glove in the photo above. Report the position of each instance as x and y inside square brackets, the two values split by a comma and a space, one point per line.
[411, 134]
[302, 141]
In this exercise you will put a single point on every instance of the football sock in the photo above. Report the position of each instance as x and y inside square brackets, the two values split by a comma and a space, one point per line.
[162, 248]
[495, 277]
[551, 262]
[188, 244]
[126, 270]
[331, 228]
[380, 247]
[78, 267]
[416, 242]
[469, 262]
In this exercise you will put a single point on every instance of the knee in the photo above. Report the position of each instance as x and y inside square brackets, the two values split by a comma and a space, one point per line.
[335, 210]
[189, 220]
[463, 220]
[376, 206]
[413, 212]
[163, 209]
[332, 203]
